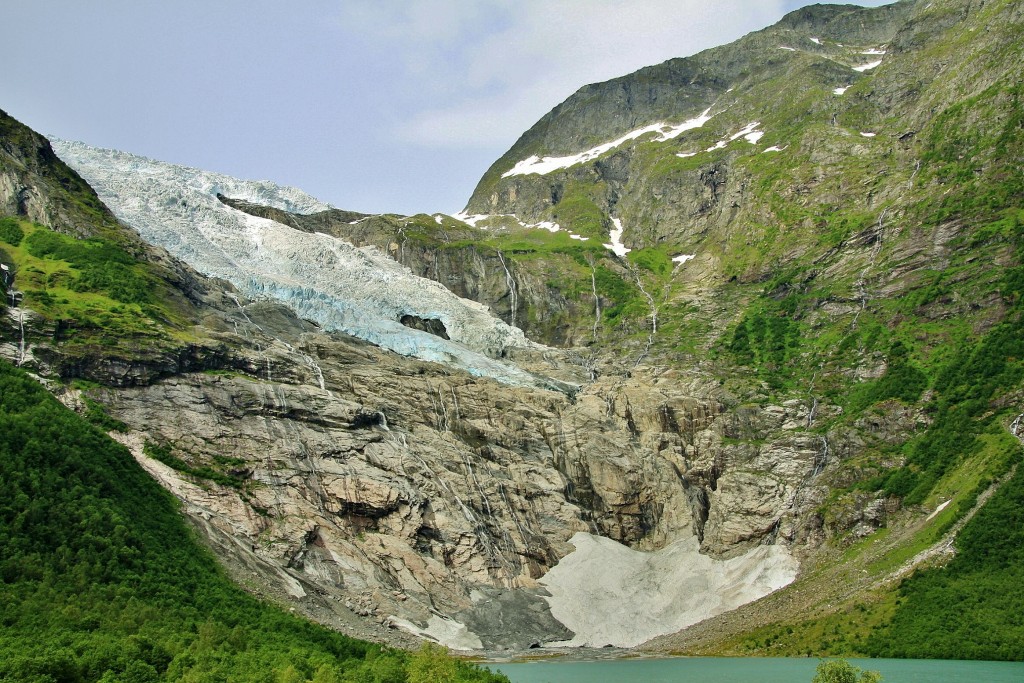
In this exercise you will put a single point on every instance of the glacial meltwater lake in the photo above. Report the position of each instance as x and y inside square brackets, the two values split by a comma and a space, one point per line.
[747, 670]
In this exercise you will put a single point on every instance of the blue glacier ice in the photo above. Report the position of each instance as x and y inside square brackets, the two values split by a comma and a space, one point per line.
[359, 291]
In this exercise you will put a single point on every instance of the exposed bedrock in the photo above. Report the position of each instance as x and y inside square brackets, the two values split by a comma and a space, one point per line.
[433, 500]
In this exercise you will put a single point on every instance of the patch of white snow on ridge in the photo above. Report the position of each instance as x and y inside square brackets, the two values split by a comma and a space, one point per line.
[683, 258]
[815, 41]
[543, 166]
[550, 226]
[747, 131]
[868, 135]
[773, 148]
[617, 246]
[359, 291]
[783, 47]
[609, 594]
[686, 155]
[873, 51]
[471, 218]
[840, 91]
[867, 67]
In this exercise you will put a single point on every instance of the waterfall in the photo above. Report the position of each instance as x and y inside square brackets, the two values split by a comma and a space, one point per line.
[21, 344]
[820, 464]
[317, 371]
[510, 281]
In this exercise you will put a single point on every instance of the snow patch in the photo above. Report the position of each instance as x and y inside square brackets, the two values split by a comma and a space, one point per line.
[815, 41]
[840, 91]
[550, 226]
[873, 51]
[609, 594]
[939, 509]
[868, 135]
[473, 219]
[774, 148]
[359, 291]
[783, 47]
[686, 155]
[867, 67]
[448, 632]
[665, 131]
[683, 258]
[747, 131]
[617, 246]
[438, 219]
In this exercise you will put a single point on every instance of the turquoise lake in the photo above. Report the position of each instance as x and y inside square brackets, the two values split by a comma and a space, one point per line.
[748, 670]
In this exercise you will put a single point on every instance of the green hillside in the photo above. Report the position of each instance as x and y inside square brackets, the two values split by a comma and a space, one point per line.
[103, 581]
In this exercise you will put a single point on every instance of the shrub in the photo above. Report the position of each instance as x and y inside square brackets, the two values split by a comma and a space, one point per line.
[10, 231]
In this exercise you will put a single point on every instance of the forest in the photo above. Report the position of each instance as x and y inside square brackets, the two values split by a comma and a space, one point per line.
[101, 579]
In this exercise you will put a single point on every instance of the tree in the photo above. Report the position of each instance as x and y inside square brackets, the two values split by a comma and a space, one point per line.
[841, 671]
[432, 664]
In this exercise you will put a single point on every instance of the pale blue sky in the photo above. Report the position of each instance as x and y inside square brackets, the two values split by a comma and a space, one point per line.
[370, 105]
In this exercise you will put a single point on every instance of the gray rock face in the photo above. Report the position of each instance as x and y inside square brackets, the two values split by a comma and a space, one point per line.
[35, 185]
[673, 91]
[410, 491]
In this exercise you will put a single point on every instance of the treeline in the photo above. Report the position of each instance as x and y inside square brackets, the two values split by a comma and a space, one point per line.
[973, 608]
[101, 579]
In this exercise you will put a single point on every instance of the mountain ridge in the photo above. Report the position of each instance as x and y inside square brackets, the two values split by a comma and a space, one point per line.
[834, 372]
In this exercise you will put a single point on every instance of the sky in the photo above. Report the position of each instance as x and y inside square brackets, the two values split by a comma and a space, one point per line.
[369, 105]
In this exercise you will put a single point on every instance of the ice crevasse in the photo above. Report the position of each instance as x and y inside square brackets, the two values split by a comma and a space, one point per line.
[359, 291]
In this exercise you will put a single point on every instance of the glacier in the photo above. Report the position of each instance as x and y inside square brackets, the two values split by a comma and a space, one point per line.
[358, 291]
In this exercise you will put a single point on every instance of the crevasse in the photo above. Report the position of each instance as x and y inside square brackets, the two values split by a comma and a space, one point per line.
[358, 291]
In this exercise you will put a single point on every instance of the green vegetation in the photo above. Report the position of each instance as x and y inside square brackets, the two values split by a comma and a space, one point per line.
[99, 296]
[966, 388]
[578, 210]
[969, 609]
[102, 266]
[225, 473]
[10, 231]
[101, 580]
[841, 671]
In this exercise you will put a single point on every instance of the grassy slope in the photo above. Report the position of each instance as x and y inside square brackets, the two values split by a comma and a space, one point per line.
[103, 296]
[842, 261]
[100, 579]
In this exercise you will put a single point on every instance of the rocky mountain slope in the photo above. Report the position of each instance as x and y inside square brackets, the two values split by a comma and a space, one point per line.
[771, 304]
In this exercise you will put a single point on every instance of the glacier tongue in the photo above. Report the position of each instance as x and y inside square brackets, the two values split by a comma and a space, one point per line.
[359, 291]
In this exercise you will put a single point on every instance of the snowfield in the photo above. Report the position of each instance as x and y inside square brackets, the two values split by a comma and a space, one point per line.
[609, 594]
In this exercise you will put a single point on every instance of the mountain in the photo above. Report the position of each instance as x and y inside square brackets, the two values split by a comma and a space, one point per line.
[104, 580]
[719, 353]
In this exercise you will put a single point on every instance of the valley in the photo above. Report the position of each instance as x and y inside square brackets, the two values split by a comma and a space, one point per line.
[722, 357]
